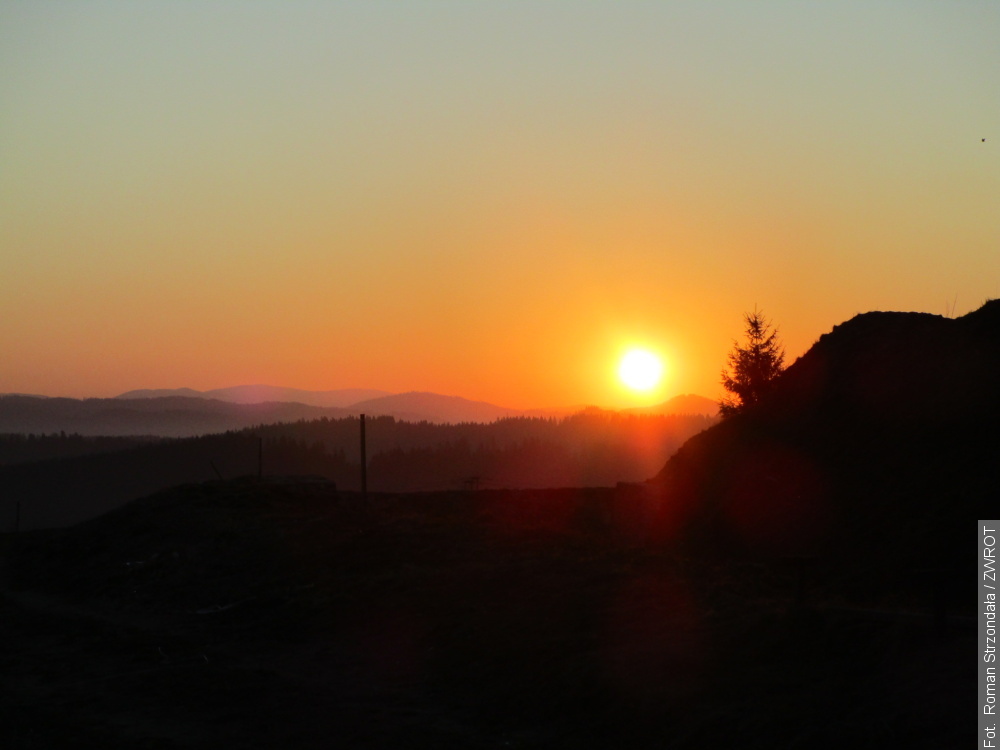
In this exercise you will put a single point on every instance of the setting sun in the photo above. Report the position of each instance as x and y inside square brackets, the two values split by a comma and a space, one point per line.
[640, 369]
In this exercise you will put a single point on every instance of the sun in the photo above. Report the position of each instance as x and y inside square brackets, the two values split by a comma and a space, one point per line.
[640, 369]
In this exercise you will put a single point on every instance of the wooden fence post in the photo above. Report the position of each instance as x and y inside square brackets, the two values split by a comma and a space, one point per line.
[364, 462]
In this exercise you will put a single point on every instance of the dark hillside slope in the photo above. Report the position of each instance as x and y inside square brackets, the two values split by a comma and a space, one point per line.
[62, 492]
[284, 613]
[879, 447]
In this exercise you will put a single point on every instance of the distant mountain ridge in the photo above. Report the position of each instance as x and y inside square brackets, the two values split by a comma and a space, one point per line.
[178, 413]
[410, 406]
[417, 406]
[259, 394]
[164, 416]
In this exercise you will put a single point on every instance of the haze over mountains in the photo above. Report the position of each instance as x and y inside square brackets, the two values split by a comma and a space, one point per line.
[431, 407]
[259, 394]
[185, 412]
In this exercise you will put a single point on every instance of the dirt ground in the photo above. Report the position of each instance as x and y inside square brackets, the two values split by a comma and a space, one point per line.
[285, 614]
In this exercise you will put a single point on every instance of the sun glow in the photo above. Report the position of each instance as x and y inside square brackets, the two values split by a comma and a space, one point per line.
[640, 369]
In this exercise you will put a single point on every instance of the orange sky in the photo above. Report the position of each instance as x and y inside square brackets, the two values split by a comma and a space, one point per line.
[490, 200]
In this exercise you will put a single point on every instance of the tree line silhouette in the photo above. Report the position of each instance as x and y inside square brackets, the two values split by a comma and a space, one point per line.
[20, 448]
[62, 479]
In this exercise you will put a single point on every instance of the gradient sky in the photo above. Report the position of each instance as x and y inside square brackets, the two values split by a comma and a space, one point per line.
[487, 199]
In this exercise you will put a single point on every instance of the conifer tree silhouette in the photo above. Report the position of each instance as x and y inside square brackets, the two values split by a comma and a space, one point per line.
[753, 367]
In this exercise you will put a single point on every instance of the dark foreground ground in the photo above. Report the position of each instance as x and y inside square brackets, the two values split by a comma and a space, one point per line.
[252, 615]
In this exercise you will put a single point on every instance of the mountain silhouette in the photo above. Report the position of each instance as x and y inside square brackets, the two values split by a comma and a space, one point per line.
[171, 413]
[171, 416]
[185, 416]
[258, 394]
[418, 406]
[162, 393]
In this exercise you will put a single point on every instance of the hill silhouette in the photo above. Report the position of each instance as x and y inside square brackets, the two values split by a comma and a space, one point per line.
[170, 416]
[184, 412]
[260, 394]
[879, 444]
[283, 613]
[157, 413]
[417, 406]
